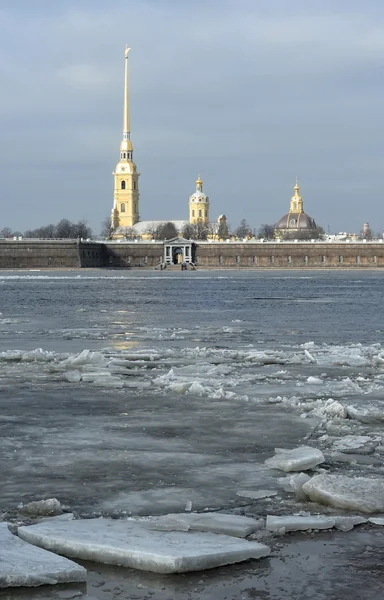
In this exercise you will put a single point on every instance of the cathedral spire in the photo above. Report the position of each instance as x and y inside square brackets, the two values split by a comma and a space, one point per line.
[126, 124]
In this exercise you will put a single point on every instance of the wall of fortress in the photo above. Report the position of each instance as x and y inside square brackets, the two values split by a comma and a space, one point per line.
[39, 254]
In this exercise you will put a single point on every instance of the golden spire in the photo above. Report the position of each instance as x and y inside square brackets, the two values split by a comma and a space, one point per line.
[297, 188]
[127, 125]
[199, 184]
[126, 144]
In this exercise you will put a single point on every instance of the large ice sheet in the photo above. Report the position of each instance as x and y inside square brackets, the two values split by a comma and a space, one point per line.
[352, 493]
[24, 565]
[298, 459]
[233, 525]
[131, 543]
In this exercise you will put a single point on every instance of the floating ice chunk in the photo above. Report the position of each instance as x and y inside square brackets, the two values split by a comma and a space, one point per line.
[347, 523]
[352, 443]
[365, 415]
[131, 544]
[296, 482]
[315, 381]
[86, 357]
[298, 523]
[73, 376]
[377, 520]
[358, 493]
[256, 494]
[232, 525]
[331, 408]
[42, 508]
[309, 356]
[24, 565]
[180, 388]
[298, 459]
[196, 389]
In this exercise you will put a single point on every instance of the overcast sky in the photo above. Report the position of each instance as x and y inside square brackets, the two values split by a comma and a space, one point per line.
[250, 93]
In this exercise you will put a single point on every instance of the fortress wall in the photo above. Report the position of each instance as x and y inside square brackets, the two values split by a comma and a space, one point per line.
[44, 254]
[40, 254]
[131, 254]
[290, 255]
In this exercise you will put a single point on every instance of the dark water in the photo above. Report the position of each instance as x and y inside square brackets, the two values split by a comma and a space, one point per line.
[196, 378]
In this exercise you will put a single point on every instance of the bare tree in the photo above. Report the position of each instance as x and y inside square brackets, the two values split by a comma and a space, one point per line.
[153, 230]
[129, 233]
[6, 232]
[243, 230]
[188, 231]
[166, 231]
[266, 232]
[107, 228]
[201, 231]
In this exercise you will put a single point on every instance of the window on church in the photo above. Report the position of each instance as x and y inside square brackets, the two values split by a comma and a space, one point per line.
[123, 185]
[193, 213]
[199, 213]
[206, 212]
[122, 207]
[134, 185]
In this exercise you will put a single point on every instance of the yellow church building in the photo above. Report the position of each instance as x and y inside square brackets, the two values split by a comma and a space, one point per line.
[125, 212]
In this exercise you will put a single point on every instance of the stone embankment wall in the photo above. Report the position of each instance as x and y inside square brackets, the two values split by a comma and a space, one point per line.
[45, 254]
[291, 255]
[40, 254]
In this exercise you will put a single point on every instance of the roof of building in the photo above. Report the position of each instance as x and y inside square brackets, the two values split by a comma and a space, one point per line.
[296, 221]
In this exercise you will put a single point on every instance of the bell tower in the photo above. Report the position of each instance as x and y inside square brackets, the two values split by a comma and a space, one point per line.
[125, 212]
[198, 205]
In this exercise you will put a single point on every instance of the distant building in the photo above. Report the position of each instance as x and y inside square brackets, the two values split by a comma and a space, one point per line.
[296, 219]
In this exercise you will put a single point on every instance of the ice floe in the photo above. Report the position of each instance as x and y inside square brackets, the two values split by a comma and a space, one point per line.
[298, 523]
[42, 508]
[226, 524]
[351, 493]
[298, 459]
[22, 564]
[132, 544]
[256, 494]
[294, 483]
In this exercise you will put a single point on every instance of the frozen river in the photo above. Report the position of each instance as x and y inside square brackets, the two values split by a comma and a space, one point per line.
[139, 392]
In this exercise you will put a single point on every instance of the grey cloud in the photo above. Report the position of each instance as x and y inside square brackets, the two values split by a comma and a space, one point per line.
[248, 95]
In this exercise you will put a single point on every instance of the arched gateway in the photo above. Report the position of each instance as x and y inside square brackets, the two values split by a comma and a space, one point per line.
[179, 250]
